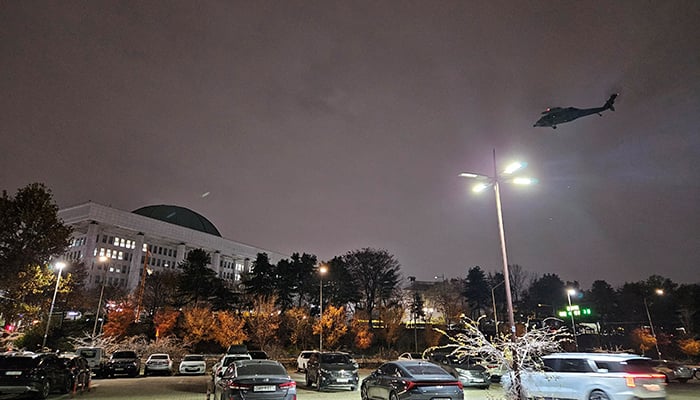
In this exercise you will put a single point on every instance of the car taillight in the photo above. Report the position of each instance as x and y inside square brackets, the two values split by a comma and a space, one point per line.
[411, 384]
[239, 386]
[631, 380]
[288, 385]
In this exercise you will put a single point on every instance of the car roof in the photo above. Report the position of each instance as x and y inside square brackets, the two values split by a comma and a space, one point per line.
[596, 356]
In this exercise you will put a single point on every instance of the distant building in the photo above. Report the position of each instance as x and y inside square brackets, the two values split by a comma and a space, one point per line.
[166, 232]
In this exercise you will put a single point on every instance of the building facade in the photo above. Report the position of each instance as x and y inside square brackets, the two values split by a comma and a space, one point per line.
[150, 239]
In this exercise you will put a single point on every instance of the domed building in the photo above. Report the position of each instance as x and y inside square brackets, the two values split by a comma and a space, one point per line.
[155, 238]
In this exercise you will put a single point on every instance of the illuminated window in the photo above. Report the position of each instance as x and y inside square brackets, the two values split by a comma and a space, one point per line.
[122, 243]
[145, 247]
[120, 256]
[116, 241]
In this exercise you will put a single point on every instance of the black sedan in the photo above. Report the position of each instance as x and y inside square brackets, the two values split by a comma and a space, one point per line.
[415, 380]
[255, 380]
[33, 374]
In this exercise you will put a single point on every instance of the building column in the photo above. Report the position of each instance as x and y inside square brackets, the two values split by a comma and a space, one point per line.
[136, 265]
[180, 256]
[89, 257]
[216, 263]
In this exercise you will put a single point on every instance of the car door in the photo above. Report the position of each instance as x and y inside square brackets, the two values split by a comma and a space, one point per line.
[387, 380]
[571, 376]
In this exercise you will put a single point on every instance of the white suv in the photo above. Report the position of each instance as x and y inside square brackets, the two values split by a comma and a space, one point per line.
[592, 376]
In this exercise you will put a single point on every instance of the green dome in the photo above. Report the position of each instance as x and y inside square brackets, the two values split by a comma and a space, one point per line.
[179, 216]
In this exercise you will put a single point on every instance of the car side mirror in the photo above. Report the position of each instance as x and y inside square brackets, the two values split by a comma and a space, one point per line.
[378, 372]
[220, 374]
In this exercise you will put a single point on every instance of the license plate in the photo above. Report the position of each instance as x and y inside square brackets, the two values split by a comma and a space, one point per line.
[264, 388]
[119, 369]
[13, 373]
[343, 380]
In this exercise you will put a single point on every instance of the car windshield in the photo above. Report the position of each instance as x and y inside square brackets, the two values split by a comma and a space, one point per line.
[18, 362]
[159, 357]
[193, 358]
[335, 359]
[261, 369]
[88, 353]
[124, 354]
[425, 369]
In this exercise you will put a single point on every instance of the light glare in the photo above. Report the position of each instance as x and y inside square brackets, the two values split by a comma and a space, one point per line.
[524, 181]
[514, 167]
[480, 187]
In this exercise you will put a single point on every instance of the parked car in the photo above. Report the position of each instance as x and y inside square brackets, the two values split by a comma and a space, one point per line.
[258, 355]
[673, 371]
[588, 376]
[193, 364]
[218, 368]
[79, 369]
[33, 374]
[331, 370]
[303, 359]
[96, 358]
[158, 363]
[123, 362]
[411, 379]
[255, 379]
[470, 375]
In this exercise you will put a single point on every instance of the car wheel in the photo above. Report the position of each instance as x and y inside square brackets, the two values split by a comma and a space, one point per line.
[44, 390]
[598, 395]
[67, 385]
[393, 396]
[363, 393]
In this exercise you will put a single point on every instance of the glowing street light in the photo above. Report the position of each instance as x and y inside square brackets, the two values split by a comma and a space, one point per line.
[659, 292]
[484, 182]
[322, 269]
[59, 265]
[569, 293]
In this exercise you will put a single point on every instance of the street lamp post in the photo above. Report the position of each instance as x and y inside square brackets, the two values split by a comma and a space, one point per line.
[484, 182]
[321, 271]
[493, 300]
[659, 292]
[102, 260]
[569, 293]
[60, 266]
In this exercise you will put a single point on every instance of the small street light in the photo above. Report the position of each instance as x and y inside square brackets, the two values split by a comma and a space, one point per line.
[322, 269]
[659, 292]
[569, 293]
[484, 182]
[59, 265]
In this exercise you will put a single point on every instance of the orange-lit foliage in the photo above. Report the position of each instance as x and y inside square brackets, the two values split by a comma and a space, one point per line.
[198, 323]
[363, 335]
[334, 325]
[690, 347]
[229, 329]
[298, 322]
[643, 339]
[263, 321]
[119, 319]
[391, 317]
[165, 321]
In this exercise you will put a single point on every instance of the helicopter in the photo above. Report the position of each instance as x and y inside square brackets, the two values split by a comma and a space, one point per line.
[558, 115]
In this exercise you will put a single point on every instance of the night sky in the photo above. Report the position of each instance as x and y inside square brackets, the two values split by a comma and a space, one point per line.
[325, 127]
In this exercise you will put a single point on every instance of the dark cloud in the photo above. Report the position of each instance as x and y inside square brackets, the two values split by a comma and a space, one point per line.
[325, 127]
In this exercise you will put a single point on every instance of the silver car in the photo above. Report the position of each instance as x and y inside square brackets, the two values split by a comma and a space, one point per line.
[255, 380]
